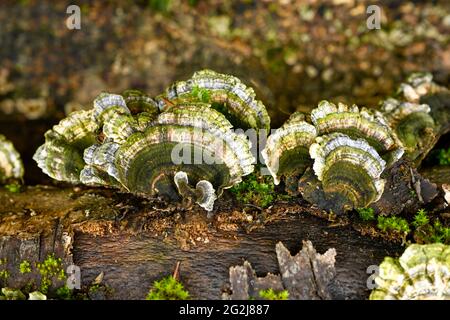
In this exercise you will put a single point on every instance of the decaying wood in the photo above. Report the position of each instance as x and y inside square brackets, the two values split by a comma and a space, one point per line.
[135, 243]
[405, 190]
[306, 276]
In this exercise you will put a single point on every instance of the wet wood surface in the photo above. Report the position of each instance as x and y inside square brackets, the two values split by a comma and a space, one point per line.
[131, 258]
[131, 264]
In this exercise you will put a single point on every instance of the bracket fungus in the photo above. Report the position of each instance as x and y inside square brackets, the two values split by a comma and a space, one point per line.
[412, 124]
[223, 92]
[11, 167]
[336, 160]
[286, 153]
[187, 151]
[421, 273]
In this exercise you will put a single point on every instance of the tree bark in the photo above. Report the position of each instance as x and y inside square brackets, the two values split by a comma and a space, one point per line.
[100, 231]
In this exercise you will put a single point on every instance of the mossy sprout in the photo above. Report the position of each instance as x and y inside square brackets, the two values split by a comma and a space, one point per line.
[441, 233]
[366, 214]
[25, 267]
[4, 273]
[257, 190]
[50, 268]
[421, 218]
[64, 293]
[13, 187]
[168, 288]
[270, 294]
[201, 94]
[393, 224]
[443, 156]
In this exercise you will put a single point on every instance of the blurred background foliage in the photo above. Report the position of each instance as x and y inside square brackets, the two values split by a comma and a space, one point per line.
[293, 52]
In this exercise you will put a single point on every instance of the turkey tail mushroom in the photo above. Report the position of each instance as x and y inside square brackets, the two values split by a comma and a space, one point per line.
[337, 161]
[349, 171]
[286, 153]
[412, 124]
[124, 142]
[421, 273]
[61, 156]
[203, 194]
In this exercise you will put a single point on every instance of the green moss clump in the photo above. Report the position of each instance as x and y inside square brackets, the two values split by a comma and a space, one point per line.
[25, 267]
[201, 94]
[168, 288]
[421, 218]
[4, 273]
[444, 157]
[51, 267]
[441, 233]
[13, 187]
[393, 224]
[64, 293]
[257, 190]
[366, 214]
[270, 294]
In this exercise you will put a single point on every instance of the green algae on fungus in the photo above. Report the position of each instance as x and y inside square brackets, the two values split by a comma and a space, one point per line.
[186, 152]
[49, 269]
[11, 166]
[421, 273]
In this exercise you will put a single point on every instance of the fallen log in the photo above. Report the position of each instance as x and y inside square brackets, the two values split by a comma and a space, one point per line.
[134, 245]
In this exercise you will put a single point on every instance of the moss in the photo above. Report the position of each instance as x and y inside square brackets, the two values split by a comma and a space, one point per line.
[393, 224]
[270, 294]
[4, 275]
[420, 219]
[25, 267]
[13, 187]
[443, 156]
[441, 233]
[168, 289]
[202, 95]
[366, 214]
[64, 293]
[428, 231]
[12, 294]
[94, 288]
[51, 267]
[257, 190]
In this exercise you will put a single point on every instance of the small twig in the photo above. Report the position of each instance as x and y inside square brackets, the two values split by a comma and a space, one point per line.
[253, 206]
[176, 272]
